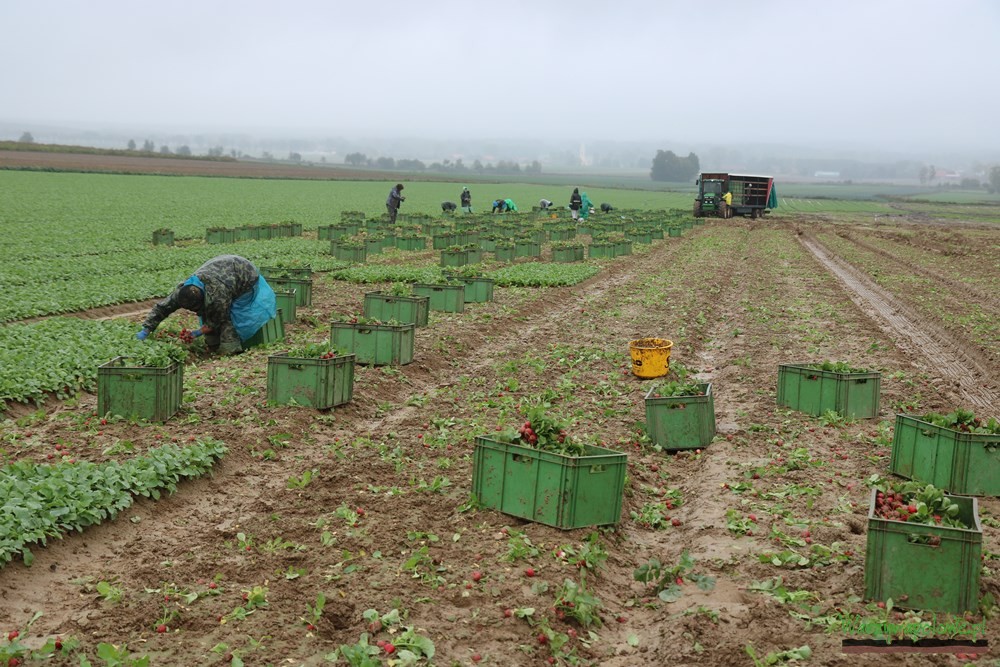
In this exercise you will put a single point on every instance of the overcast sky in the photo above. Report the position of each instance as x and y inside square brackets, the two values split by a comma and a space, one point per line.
[884, 73]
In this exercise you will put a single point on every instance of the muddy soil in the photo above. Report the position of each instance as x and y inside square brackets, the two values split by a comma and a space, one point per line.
[387, 520]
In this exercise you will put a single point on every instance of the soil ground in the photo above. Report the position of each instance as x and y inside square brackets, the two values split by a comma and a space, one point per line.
[737, 298]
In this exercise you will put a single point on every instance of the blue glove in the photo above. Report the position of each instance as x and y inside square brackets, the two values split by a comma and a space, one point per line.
[196, 333]
[142, 334]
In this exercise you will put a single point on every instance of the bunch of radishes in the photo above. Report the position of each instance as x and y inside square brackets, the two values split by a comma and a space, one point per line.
[529, 435]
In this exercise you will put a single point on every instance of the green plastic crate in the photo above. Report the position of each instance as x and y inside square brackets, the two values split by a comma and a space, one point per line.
[272, 331]
[139, 392]
[963, 463]
[411, 242]
[448, 298]
[623, 248]
[286, 305]
[943, 577]
[477, 290]
[503, 253]
[374, 246]
[681, 422]
[601, 250]
[317, 383]
[405, 309]
[375, 344]
[217, 235]
[460, 257]
[553, 489]
[674, 232]
[442, 241]
[528, 248]
[567, 254]
[296, 272]
[853, 395]
[348, 253]
[301, 286]
[164, 237]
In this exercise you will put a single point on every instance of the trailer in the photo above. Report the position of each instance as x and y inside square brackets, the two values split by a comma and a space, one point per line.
[750, 195]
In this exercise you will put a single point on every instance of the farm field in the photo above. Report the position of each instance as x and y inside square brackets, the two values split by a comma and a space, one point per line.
[752, 544]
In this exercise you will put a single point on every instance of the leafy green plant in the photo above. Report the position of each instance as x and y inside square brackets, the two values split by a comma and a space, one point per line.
[836, 367]
[963, 420]
[574, 601]
[667, 582]
[541, 431]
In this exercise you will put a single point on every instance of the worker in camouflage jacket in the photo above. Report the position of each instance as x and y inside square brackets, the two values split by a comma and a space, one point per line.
[230, 297]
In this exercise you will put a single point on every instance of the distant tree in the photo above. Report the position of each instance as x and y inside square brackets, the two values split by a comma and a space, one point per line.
[477, 167]
[994, 179]
[534, 168]
[294, 157]
[26, 138]
[131, 144]
[183, 150]
[266, 155]
[232, 153]
[164, 149]
[148, 146]
[410, 165]
[355, 159]
[385, 163]
[923, 175]
[668, 167]
[215, 151]
[322, 159]
[931, 173]
[460, 166]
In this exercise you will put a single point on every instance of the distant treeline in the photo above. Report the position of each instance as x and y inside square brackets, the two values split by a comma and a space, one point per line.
[90, 150]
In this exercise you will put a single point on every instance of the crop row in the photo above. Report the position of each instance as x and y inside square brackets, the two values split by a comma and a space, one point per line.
[61, 355]
[43, 501]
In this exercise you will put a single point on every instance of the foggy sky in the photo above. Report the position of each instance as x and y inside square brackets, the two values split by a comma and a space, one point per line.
[891, 74]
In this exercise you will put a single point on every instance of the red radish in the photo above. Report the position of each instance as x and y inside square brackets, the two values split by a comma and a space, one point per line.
[542, 639]
[508, 613]
[529, 572]
[476, 657]
[675, 522]
[161, 628]
[621, 619]
[477, 575]
[12, 635]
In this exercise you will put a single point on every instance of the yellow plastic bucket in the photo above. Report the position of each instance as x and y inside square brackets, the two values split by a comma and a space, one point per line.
[650, 357]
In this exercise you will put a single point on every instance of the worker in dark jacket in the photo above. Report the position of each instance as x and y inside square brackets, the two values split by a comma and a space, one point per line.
[466, 200]
[393, 201]
[230, 297]
[448, 207]
[607, 208]
[575, 202]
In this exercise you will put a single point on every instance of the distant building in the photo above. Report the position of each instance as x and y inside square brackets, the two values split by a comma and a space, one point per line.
[827, 174]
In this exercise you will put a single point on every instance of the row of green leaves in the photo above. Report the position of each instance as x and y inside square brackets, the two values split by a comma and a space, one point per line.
[43, 501]
[61, 355]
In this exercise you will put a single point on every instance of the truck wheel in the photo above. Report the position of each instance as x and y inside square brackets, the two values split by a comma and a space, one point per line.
[753, 214]
[697, 209]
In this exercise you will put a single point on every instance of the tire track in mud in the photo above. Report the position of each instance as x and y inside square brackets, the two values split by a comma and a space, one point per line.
[986, 298]
[959, 365]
